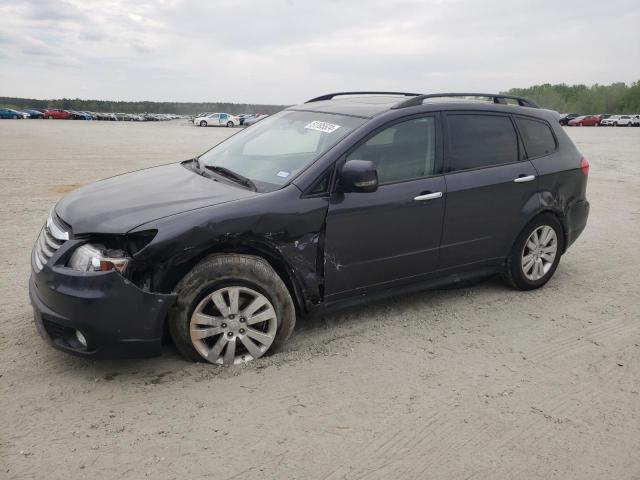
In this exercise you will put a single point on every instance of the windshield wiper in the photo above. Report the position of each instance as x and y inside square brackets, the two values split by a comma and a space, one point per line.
[236, 177]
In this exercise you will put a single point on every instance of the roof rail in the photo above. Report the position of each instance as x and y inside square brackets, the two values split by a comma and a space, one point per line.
[496, 98]
[329, 96]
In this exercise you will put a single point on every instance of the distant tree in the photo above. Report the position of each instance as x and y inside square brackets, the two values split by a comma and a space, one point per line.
[616, 98]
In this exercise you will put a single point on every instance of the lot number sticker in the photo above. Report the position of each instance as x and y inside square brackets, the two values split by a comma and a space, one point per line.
[322, 126]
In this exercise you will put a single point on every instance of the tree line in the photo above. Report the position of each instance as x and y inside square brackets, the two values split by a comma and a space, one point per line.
[180, 108]
[616, 98]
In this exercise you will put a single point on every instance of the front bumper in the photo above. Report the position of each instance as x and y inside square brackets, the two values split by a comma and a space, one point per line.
[116, 318]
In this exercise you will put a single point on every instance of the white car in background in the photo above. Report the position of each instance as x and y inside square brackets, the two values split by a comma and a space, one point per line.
[618, 120]
[217, 120]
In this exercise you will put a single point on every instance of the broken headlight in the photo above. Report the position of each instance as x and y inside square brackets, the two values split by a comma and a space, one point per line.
[97, 258]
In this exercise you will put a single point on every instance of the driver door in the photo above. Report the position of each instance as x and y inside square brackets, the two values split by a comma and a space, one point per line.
[376, 239]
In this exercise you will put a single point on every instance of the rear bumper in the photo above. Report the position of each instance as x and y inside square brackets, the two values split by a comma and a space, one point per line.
[577, 216]
[116, 317]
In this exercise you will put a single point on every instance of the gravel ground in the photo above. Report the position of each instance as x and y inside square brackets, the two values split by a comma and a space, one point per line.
[475, 383]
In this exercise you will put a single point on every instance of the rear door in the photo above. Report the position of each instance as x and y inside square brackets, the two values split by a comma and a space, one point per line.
[378, 238]
[490, 187]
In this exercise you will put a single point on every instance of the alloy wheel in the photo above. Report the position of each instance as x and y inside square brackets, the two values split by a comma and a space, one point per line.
[233, 325]
[539, 252]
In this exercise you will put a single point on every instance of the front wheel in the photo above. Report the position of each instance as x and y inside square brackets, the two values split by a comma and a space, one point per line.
[229, 124]
[231, 309]
[536, 253]
[203, 123]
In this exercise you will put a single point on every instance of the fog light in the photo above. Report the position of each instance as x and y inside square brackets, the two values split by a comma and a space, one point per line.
[81, 339]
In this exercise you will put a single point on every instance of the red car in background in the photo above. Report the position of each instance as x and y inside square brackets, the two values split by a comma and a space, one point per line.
[585, 121]
[56, 113]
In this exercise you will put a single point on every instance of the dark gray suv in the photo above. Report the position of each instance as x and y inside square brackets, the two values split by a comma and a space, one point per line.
[344, 199]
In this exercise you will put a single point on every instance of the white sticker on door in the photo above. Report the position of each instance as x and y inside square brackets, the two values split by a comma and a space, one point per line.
[322, 126]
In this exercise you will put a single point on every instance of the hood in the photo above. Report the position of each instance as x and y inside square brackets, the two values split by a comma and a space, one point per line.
[120, 204]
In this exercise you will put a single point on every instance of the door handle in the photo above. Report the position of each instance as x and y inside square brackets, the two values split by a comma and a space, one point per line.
[526, 178]
[428, 196]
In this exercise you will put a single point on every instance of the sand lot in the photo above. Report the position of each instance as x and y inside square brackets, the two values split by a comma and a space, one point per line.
[474, 383]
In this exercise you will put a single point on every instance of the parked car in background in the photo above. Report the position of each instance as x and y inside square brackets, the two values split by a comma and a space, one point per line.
[618, 121]
[242, 117]
[32, 113]
[217, 120]
[564, 118]
[254, 119]
[56, 113]
[585, 121]
[75, 115]
[635, 120]
[11, 113]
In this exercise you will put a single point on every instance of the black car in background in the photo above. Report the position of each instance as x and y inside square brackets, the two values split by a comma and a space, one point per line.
[343, 200]
[564, 119]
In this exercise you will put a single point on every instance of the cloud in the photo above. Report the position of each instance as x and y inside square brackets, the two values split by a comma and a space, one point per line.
[284, 51]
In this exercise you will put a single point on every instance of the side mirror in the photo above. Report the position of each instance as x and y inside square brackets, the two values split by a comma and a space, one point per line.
[359, 176]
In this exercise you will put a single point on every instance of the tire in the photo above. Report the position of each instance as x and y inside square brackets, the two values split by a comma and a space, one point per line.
[523, 278]
[615, 124]
[229, 124]
[255, 283]
[203, 123]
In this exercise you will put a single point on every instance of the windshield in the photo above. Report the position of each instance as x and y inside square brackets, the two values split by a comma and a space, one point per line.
[275, 149]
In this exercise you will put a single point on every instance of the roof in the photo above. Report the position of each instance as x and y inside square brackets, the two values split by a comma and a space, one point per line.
[369, 105]
[360, 106]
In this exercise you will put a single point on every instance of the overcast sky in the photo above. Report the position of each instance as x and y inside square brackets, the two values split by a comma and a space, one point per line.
[285, 51]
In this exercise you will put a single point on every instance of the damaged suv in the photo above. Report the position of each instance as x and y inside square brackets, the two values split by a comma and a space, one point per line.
[344, 199]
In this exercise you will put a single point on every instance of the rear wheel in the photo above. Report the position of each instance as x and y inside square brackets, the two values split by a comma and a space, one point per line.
[536, 253]
[231, 309]
[229, 124]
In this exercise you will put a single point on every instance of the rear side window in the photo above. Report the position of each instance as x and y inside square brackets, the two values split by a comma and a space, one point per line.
[537, 137]
[477, 141]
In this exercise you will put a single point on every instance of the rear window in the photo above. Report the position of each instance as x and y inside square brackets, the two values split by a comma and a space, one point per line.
[537, 137]
[477, 141]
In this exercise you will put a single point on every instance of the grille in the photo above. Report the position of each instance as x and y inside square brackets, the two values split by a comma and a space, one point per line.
[51, 237]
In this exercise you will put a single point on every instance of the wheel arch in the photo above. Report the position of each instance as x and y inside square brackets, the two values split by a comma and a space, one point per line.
[262, 249]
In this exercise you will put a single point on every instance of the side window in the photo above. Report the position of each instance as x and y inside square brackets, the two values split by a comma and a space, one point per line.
[223, 116]
[537, 137]
[477, 141]
[401, 152]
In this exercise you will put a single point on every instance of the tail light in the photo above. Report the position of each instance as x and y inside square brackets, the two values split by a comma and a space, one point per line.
[584, 166]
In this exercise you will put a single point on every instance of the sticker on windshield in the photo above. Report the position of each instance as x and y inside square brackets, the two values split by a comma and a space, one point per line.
[322, 126]
[283, 174]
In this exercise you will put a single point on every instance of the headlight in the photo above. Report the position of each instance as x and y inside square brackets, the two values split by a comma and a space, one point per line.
[96, 258]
